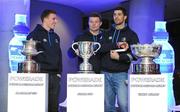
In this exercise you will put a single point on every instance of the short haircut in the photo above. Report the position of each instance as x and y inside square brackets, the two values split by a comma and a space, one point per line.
[46, 13]
[122, 9]
[96, 15]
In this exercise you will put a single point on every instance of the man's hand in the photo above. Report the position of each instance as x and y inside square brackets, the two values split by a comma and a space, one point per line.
[114, 55]
[123, 45]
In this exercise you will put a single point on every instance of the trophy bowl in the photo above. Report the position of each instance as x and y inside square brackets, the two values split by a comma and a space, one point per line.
[86, 49]
[146, 50]
[29, 48]
[145, 54]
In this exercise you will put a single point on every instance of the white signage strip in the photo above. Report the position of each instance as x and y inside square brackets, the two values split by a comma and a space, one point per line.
[27, 92]
[85, 93]
[148, 93]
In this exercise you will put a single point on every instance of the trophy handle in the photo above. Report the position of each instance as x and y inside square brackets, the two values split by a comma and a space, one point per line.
[99, 46]
[39, 52]
[76, 43]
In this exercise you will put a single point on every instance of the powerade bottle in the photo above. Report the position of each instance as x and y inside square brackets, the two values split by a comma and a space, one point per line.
[20, 31]
[166, 58]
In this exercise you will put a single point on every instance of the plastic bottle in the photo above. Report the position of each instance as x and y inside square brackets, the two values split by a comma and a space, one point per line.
[20, 31]
[166, 58]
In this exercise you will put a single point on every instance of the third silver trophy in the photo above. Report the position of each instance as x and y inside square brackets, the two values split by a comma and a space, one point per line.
[146, 53]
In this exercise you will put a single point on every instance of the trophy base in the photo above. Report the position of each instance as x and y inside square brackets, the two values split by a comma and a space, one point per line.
[146, 69]
[86, 72]
[28, 67]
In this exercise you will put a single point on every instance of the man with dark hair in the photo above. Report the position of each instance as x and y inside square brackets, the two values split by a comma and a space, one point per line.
[45, 13]
[115, 64]
[51, 59]
[94, 34]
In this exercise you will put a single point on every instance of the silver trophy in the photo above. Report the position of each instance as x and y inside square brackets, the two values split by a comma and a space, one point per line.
[146, 53]
[85, 49]
[29, 65]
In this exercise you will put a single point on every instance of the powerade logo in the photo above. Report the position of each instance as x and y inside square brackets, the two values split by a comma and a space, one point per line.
[15, 50]
[15, 56]
[166, 61]
[166, 56]
[15, 53]
[18, 58]
[163, 61]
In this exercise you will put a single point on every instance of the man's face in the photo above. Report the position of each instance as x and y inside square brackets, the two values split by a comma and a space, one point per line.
[51, 21]
[119, 17]
[94, 23]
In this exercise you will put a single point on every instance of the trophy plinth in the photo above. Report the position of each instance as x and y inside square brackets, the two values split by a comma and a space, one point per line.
[145, 54]
[29, 65]
[85, 49]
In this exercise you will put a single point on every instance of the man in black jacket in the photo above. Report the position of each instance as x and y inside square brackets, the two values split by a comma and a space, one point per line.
[115, 64]
[94, 34]
[51, 59]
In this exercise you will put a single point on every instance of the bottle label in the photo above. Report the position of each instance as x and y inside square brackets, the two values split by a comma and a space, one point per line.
[15, 57]
[166, 61]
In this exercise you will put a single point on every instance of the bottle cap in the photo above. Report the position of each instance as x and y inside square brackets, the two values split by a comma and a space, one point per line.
[160, 31]
[20, 24]
[20, 18]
